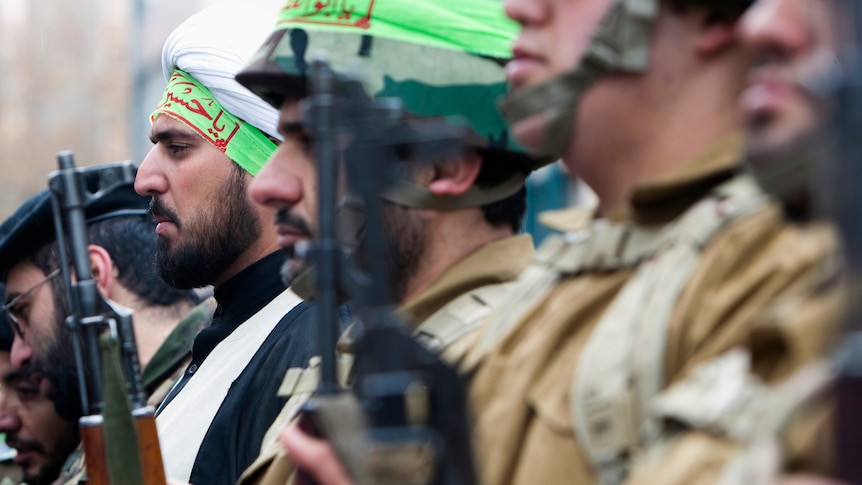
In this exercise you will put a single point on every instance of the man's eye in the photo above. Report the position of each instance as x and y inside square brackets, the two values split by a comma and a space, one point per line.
[177, 149]
[26, 392]
[20, 312]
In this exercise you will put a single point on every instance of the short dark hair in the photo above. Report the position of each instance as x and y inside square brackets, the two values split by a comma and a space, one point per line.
[131, 243]
[509, 211]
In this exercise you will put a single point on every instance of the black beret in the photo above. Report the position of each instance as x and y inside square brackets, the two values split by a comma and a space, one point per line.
[32, 225]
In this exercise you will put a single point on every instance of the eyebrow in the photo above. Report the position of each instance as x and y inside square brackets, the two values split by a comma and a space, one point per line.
[14, 376]
[290, 128]
[170, 134]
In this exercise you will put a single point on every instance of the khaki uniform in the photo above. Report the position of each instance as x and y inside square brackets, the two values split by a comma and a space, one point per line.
[759, 282]
[164, 369]
[495, 264]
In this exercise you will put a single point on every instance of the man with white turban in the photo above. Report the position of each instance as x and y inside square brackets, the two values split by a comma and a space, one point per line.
[210, 138]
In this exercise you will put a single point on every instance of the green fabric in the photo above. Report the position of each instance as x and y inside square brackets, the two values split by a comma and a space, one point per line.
[74, 470]
[177, 346]
[6, 453]
[189, 102]
[478, 26]
[121, 442]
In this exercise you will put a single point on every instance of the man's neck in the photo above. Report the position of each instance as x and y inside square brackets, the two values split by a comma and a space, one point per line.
[265, 245]
[451, 237]
[668, 129]
[153, 324]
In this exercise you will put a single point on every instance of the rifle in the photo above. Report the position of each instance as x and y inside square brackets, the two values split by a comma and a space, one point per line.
[109, 373]
[846, 205]
[407, 403]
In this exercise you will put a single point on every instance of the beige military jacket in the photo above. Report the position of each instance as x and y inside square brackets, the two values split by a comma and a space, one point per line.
[751, 287]
[496, 263]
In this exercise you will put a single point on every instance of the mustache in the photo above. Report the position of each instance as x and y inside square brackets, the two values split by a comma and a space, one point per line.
[284, 218]
[158, 209]
[23, 445]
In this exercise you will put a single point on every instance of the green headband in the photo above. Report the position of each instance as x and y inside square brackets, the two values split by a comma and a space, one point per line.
[188, 101]
[475, 26]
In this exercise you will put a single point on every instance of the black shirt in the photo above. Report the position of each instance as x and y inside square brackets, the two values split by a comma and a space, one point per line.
[234, 437]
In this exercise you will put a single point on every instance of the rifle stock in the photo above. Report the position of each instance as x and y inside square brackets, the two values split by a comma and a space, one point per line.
[148, 446]
[93, 439]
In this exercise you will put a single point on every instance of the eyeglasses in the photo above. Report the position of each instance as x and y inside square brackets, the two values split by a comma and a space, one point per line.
[14, 314]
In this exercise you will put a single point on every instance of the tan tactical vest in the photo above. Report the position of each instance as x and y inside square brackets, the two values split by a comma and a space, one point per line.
[621, 369]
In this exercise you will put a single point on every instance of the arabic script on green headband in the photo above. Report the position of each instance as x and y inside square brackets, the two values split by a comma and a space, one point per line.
[478, 26]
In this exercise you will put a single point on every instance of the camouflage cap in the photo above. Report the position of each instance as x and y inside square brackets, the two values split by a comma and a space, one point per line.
[442, 58]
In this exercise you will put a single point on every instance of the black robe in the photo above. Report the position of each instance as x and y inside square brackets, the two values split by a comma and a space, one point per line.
[235, 434]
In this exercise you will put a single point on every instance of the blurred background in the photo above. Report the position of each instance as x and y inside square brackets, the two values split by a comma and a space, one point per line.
[85, 74]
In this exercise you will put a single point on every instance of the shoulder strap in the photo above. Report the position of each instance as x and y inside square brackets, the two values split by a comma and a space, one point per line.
[460, 316]
[606, 246]
[622, 365]
[723, 396]
[557, 255]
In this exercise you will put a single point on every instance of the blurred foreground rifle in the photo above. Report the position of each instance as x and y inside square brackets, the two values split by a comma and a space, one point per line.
[118, 429]
[846, 204]
[410, 425]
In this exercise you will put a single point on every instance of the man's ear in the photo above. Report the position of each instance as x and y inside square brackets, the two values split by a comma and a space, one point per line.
[715, 33]
[457, 175]
[103, 269]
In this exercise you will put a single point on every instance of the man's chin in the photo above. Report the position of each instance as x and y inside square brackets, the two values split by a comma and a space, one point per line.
[36, 472]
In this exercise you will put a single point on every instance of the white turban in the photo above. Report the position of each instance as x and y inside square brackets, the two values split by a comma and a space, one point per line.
[213, 46]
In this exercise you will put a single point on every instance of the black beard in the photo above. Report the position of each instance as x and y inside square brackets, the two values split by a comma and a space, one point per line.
[213, 242]
[404, 243]
[794, 173]
[63, 448]
[59, 367]
[292, 266]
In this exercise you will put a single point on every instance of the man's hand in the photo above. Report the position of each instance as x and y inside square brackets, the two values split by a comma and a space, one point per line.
[314, 457]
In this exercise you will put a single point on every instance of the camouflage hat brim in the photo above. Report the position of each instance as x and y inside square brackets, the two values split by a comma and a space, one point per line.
[264, 76]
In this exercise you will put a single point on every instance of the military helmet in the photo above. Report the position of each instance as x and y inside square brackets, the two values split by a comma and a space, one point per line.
[442, 58]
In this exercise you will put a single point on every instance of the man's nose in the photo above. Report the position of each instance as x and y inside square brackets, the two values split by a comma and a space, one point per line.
[21, 353]
[9, 421]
